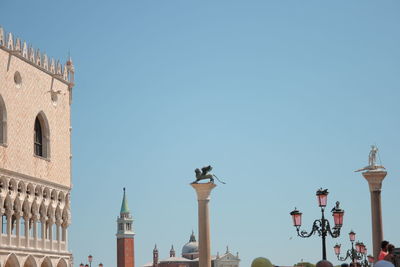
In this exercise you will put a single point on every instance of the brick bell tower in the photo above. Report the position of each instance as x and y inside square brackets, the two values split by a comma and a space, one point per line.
[125, 237]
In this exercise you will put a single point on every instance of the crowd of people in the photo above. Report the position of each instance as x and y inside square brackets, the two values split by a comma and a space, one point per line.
[387, 252]
[386, 258]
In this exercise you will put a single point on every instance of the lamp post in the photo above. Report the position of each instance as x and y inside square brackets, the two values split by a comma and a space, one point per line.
[356, 253]
[90, 259]
[321, 226]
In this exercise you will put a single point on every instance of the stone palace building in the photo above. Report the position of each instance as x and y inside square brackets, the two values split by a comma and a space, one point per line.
[35, 156]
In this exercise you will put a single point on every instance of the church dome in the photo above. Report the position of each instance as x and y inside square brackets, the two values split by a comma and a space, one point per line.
[192, 247]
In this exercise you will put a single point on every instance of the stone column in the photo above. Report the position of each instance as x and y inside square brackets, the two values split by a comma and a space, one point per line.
[375, 178]
[51, 233]
[17, 226]
[26, 230]
[9, 214]
[58, 225]
[43, 230]
[35, 232]
[203, 197]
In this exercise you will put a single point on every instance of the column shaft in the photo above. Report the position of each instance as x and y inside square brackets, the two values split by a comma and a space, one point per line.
[375, 178]
[35, 233]
[58, 237]
[376, 218]
[203, 197]
[43, 228]
[17, 224]
[204, 234]
[9, 229]
[51, 235]
[26, 226]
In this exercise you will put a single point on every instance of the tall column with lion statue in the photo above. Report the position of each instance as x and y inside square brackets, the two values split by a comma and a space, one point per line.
[203, 191]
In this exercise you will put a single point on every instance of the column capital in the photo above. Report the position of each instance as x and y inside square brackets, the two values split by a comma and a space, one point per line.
[203, 190]
[375, 178]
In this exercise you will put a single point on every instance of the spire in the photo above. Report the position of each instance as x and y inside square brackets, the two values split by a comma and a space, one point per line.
[227, 249]
[172, 252]
[124, 206]
[192, 237]
[155, 256]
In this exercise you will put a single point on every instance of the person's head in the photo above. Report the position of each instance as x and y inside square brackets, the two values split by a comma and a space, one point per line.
[324, 263]
[344, 265]
[384, 245]
[383, 263]
[390, 248]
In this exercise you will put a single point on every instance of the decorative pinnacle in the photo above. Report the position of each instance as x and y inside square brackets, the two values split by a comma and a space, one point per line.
[192, 237]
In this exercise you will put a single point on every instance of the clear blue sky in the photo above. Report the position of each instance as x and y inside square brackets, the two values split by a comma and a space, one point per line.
[281, 97]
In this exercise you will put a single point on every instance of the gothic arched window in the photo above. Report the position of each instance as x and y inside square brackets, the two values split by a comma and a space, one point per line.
[41, 136]
[38, 138]
[3, 122]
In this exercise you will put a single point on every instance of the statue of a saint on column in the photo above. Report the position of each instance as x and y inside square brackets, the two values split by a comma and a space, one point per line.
[372, 160]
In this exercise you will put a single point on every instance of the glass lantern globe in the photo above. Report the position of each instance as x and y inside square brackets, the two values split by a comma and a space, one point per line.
[322, 197]
[338, 214]
[337, 249]
[296, 217]
[352, 236]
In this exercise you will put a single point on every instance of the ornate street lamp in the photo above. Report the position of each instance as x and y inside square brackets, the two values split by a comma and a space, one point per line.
[90, 260]
[321, 226]
[352, 236]
[356, 253]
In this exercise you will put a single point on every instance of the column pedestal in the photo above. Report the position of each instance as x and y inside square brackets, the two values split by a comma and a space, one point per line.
[375, 178]
[203, 197]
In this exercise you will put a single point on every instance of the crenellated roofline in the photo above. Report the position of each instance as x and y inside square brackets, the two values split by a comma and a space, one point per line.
[22, 50]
